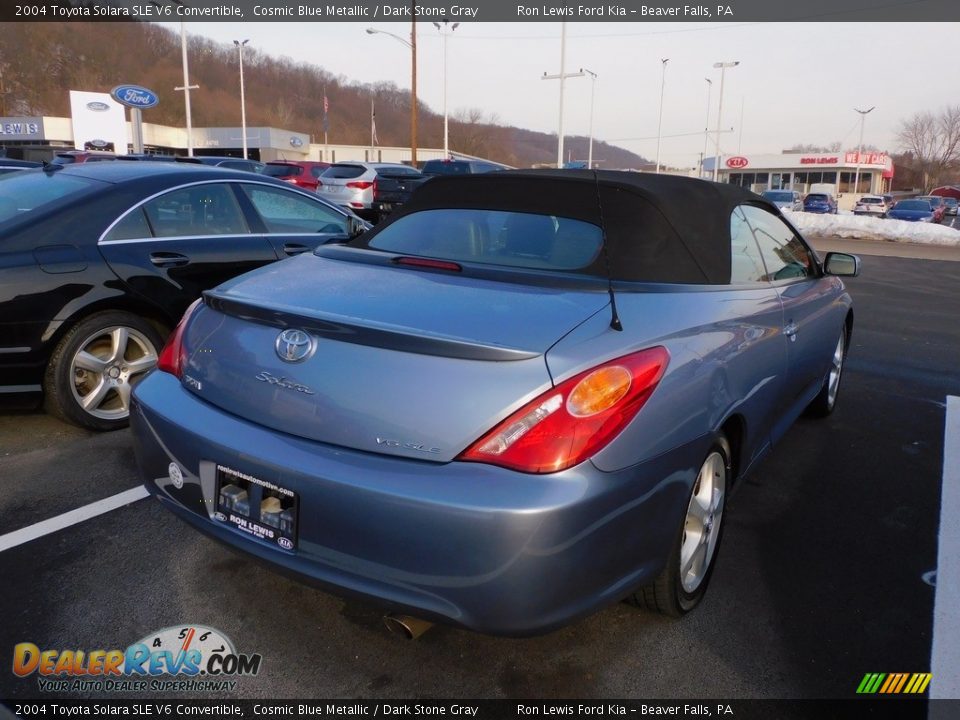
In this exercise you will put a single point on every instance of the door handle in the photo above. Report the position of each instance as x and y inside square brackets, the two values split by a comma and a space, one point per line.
[168, 259]
[295, 248]
[790, 330]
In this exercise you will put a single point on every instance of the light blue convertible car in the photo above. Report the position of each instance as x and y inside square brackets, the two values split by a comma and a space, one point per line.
[524, 397]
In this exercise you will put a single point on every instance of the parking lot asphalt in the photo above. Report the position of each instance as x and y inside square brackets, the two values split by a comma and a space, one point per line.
[820, 578]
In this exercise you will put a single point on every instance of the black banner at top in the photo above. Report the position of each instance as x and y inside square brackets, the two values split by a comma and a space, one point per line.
[478, 10]
[887, 708]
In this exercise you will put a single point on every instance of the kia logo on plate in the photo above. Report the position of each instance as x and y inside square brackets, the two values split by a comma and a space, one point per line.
[97, 106]
[737, 162]
[294, 345]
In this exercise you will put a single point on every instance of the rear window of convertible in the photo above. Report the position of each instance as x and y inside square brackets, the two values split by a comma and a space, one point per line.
[494, 237]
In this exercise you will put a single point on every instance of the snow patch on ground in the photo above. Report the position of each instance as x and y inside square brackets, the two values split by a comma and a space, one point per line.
[863, 227]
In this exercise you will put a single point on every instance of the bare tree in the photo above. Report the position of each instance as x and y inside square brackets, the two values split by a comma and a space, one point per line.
[470, 131]
[933, 140]
[813, 148]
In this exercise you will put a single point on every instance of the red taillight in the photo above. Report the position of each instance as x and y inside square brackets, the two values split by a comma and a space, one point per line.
[360, 185]
[376, 189]
[173, 356]
[574, 420]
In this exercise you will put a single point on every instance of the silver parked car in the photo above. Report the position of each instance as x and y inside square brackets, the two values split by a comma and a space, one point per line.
[523, 398]
[351, 184]
[785, 199]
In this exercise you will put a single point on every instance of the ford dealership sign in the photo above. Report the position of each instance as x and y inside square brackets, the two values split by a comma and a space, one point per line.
[97, 106]
[135, 96]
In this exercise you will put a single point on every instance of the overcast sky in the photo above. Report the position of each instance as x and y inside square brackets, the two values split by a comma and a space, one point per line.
[796, 82]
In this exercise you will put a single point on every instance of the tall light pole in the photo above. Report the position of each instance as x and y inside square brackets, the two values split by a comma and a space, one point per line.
[716, 161]
[706, 126]
[243, 99]
[663, 82]
[187, 87]
[743, 102]
[593, 83]
[412, 45]
[445, 30]
[863, 117]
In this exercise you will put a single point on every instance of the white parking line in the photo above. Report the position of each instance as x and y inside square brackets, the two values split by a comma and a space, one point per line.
[45, 527]
[945, 652]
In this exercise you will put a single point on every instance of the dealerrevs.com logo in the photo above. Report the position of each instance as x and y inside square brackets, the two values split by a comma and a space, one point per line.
[180, 658]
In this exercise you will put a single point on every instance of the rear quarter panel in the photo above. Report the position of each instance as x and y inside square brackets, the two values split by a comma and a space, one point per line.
[727, 356]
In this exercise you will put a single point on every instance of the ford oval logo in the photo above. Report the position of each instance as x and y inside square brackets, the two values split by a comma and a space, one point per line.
[294, 345]
[135, 96]
[97, 106]
[296, 142]
[737, 162]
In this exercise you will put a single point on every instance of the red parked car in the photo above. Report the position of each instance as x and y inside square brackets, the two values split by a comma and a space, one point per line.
[69, 157]
[939, 207]
[303, 173]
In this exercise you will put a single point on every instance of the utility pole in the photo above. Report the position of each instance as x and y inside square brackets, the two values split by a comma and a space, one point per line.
[706, 127]
[413, 83]
[663, 82]
[722, 67]
[593, 83]
[187, 87]
[863, 117]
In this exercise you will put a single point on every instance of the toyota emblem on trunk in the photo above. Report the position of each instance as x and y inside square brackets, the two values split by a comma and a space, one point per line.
[294, 345]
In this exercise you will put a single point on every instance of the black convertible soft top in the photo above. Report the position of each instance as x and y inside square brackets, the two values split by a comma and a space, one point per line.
[657, 228]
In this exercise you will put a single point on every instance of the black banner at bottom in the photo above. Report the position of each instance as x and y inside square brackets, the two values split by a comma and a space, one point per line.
[875, 708]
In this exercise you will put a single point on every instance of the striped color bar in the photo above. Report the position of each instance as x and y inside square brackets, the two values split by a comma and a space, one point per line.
[893, 683]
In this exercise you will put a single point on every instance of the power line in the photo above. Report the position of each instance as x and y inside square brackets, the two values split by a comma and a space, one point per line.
[654, 137]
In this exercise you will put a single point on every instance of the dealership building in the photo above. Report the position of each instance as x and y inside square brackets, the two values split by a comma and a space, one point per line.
[38, 138]
[798, 171]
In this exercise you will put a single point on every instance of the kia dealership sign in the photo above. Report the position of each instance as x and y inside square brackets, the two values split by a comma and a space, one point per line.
[737, 162]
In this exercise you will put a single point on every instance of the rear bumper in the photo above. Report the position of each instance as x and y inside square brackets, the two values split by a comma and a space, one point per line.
[385, 206]
[460, 543]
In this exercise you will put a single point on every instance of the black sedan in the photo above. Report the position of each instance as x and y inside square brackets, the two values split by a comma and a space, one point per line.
[99, 261]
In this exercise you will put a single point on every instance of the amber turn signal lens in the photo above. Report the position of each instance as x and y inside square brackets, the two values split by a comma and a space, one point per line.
[598, 391]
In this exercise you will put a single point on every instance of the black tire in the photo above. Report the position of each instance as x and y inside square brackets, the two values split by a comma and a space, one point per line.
[826, 400]
[667, 594]
[65, 384]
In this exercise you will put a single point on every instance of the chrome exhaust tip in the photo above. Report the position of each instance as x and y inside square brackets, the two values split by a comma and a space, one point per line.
[408, 627]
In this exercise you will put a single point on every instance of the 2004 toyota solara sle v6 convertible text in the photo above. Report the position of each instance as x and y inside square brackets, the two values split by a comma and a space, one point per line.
[522, 398]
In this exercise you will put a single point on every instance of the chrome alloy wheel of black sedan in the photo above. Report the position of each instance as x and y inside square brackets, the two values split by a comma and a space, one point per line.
[98, 262]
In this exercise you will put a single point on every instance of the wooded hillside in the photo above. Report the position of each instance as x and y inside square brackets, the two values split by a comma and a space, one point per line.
[40, 62]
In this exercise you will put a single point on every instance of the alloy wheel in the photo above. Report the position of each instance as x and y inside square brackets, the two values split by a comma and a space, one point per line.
[103, 370]
[701, 529]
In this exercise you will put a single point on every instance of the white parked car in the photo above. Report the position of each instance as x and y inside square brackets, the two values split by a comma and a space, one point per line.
[871, 205]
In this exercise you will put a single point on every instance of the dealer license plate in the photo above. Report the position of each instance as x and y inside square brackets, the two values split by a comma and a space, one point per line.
[259, 508]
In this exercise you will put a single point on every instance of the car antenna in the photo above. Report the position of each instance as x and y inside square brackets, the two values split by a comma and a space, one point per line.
[614, 316]
[52, 167]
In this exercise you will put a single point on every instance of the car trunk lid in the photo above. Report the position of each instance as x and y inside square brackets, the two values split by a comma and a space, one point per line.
[399, 361]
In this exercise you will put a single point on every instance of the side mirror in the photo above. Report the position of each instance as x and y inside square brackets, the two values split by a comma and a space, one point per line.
[841, 264]
[357, 226]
